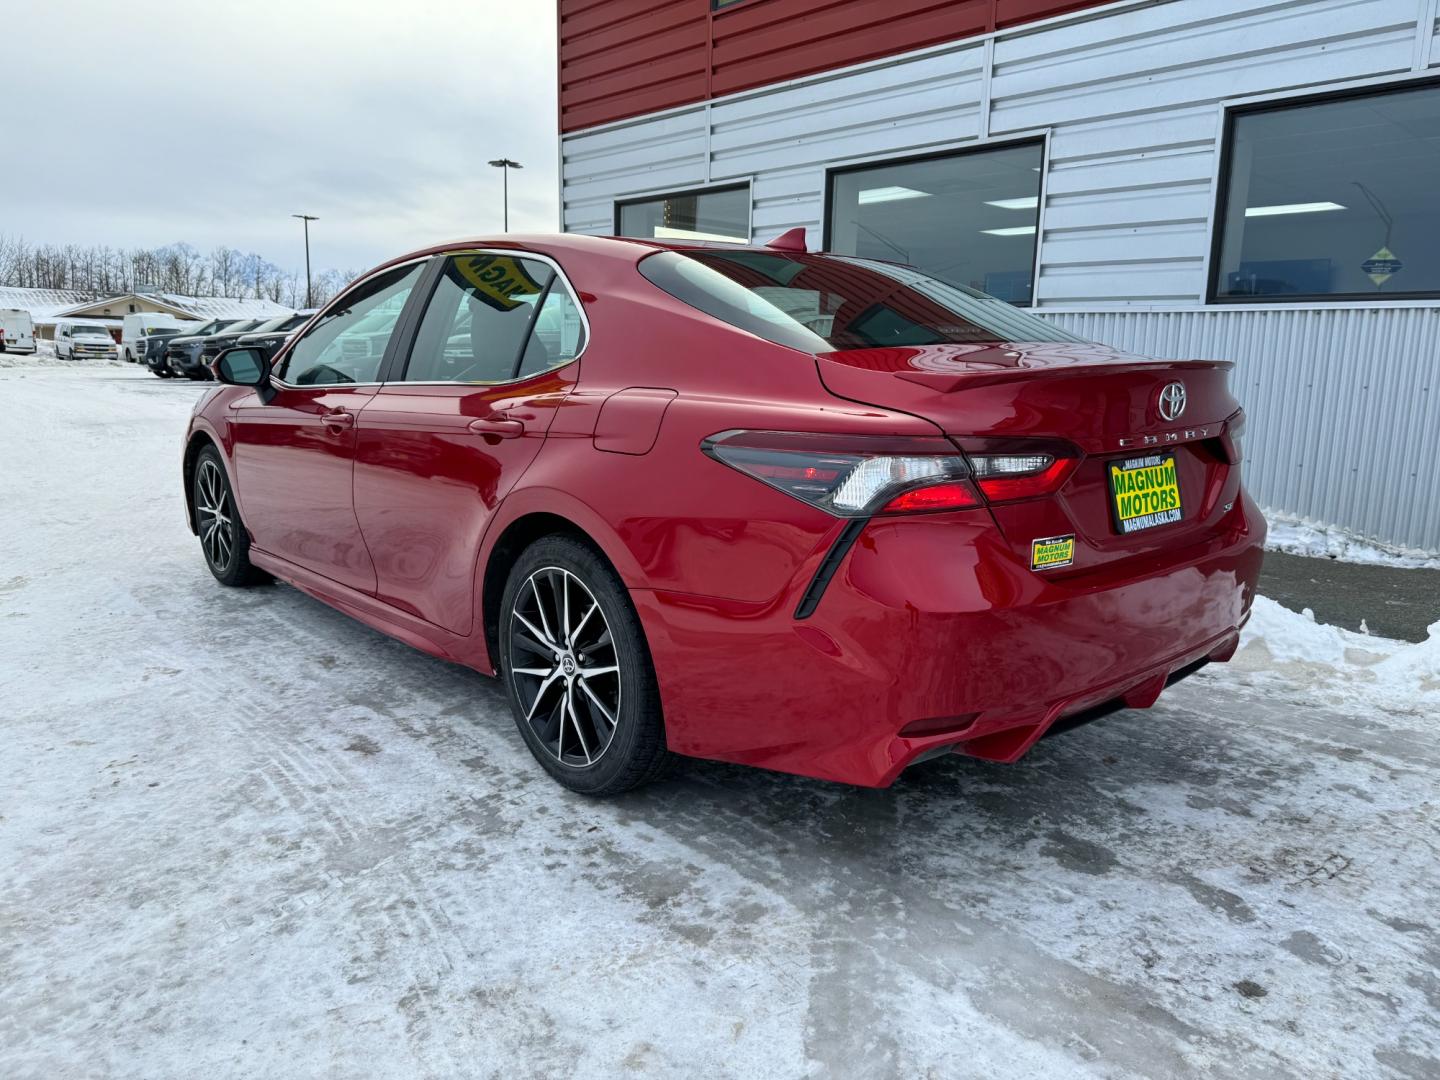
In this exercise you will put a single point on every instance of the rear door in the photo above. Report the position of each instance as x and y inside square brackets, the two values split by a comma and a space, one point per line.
[295, 455]
[459, 419]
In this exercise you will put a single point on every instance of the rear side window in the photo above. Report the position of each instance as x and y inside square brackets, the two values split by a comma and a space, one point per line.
[494, 318]
[559, 335]
[826, 303]
[348, 342]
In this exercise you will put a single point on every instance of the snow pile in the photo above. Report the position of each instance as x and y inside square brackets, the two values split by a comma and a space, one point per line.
[1341, 665]
[44, 356]
[1298, 536]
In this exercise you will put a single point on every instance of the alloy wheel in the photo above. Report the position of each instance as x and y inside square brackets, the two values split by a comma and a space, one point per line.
[216, 522]
[564, 667]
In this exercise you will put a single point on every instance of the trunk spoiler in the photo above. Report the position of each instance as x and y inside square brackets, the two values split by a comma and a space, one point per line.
[968, 380]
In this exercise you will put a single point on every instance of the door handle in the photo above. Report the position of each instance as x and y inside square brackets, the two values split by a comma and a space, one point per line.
[339, 418]
[499, 426]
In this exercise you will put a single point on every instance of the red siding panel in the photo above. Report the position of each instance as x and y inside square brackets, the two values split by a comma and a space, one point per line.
[624, 58]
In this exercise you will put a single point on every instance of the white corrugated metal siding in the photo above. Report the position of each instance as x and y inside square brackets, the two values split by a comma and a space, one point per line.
[1343, 404]
[1130, 99]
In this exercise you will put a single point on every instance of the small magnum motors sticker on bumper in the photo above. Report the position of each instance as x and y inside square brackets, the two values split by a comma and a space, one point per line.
[1052, 552]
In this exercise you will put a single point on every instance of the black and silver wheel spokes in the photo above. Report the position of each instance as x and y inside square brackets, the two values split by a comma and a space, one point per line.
[565, 666]
[212, 510]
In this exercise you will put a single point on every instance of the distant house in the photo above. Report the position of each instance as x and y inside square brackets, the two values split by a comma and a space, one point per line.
[48, 306]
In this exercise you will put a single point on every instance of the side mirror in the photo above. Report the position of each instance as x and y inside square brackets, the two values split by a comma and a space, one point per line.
[242, 367]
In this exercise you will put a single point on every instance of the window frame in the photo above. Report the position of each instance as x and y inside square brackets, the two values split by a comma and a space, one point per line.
[1225, 159]
[1036, 138]
[745, 185]
[401, 326]
[392, 371]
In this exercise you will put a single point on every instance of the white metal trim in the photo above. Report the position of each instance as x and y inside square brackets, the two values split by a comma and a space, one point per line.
[1261, 306]
[987, 73]
[1425, 33]
[1321, 89]
[1039, 250]
[959, 146]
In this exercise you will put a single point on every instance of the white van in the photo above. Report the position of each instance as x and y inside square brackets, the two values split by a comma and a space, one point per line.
[140, 325]
[80, 341]
[17, 331]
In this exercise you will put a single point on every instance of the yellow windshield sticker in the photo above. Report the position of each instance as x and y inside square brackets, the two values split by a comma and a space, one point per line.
[497, 280]
[1052, 552]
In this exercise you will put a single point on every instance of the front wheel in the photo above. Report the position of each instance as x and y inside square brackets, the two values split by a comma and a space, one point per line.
[223, 539]
[578, 671]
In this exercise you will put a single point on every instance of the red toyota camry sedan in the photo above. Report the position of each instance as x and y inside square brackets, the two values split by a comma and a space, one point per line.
[814, 513]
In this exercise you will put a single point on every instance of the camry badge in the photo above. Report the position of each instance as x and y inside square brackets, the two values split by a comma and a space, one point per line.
[1172, 401]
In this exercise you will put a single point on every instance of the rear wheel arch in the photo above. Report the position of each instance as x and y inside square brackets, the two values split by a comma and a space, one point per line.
[511, 543]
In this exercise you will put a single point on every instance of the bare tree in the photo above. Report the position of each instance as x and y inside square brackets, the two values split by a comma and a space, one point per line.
[100, 270]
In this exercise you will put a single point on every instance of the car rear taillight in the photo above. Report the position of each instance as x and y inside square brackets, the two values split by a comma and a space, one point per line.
[852, 476]
[1010, 469]
[1233, 438]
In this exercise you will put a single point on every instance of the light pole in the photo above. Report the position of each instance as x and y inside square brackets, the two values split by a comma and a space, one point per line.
[307, 218]
[504, 164]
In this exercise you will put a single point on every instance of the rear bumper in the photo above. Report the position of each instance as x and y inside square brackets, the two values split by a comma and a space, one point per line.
[933, 637]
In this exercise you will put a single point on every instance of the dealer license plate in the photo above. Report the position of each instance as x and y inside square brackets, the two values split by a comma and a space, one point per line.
[1145, 492]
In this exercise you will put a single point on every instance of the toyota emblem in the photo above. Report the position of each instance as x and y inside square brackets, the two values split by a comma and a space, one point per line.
[1172, 401]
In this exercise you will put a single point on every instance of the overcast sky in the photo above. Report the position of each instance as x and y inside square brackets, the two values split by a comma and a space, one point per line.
[210, 122]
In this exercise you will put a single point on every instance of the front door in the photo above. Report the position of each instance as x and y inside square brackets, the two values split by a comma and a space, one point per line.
[295, 455]
[446, 438]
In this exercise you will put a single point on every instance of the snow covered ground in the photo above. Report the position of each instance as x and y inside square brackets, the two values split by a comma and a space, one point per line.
[241, 835]
[1297, 537]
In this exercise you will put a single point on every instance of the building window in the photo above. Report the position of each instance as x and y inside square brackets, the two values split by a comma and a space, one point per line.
[1331, 199]
[719, 214]
[967, 218]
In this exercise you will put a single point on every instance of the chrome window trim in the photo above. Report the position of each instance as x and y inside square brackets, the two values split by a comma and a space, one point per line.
[289, 347]
[524, 254]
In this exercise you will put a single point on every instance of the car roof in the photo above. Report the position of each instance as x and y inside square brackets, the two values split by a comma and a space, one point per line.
[579, 243]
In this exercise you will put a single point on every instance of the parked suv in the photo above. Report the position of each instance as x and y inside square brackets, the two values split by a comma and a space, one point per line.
[81, 341]
[268, 337]
[184, 354]
[215, 344]
[150, 349]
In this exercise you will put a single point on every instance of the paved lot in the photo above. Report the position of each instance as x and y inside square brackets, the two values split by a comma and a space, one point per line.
[1392, 602]
[241, 835]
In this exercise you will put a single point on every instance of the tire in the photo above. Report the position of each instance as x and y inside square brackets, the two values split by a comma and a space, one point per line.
[224, 542]
[563, 716]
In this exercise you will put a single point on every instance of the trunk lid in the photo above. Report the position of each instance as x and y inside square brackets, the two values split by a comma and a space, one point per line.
[1103, 401]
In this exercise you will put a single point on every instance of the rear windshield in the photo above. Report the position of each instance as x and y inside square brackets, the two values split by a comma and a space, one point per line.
[825, 303]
